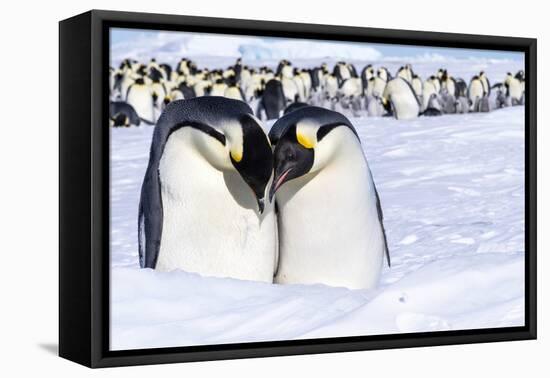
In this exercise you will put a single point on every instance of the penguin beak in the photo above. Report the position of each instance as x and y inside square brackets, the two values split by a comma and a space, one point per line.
[277, 182]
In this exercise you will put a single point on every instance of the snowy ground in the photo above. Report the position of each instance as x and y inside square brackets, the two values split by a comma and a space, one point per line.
[453, 197]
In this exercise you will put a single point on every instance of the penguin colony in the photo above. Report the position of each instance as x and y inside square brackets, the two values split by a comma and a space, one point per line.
[145, 89]
[222, 198]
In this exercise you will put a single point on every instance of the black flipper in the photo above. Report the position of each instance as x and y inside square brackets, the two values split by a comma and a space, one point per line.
[381, 219]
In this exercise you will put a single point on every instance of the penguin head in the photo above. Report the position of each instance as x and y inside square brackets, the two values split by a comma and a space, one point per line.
[252, 157]
[306, 143]
[120, 119]
[229, 138]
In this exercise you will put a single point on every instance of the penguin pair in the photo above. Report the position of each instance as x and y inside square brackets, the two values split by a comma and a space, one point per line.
[203, 205]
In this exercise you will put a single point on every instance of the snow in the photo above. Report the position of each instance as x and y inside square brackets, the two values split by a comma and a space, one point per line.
[452, 191]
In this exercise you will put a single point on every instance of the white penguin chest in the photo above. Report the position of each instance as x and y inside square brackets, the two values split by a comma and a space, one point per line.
[141, 99]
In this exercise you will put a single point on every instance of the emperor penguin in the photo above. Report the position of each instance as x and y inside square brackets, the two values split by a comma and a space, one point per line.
[384, 74]
[333, 237]
[485, 83]
[290, 89]
[461, 88]
[202, 205]
[376, 86]
[514, 88]
[140, 97]
[375, 107]
[331, 86]
[273, 100]
[406, 73]
[403, 100]
[366, 74]
[351, 87]
[501, 99]
[462, 105]
[218, 88]
[435, 81]
[417, 85]
[234, 92]
[448, 83]
[434, 107]
[123, 114]
[476, 91]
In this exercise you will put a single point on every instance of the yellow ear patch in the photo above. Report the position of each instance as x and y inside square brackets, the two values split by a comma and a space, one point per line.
[237, 156]
[304, 140]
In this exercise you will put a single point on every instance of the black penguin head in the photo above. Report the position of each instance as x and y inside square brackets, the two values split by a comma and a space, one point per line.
[292, 159]
[155, 75]
[301, 147]
[120, 119]
[254, 162]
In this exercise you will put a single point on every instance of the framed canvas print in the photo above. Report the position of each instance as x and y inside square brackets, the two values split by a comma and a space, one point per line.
[234, 188]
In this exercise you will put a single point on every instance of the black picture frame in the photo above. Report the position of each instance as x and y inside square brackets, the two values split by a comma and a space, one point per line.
[84, 188]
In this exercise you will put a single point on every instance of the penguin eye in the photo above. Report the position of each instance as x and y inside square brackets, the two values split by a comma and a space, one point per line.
[290, 155]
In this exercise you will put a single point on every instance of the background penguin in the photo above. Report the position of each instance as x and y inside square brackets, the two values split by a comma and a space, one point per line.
[476, 91]
[434, 107]
[447, 101]
[376, 87]
[417, 86]
[399, 93]
[119, 120]
[300, 86]
[384, 74]
[117, 109]
[461, 88]
[375, 107]
[351, 87]
[462, 105]
[336, 239]
[218, 89]
[331, 86]
[485, 82]
[515, 88]
[448, 83]
[139, 96]
[366, 74]
[202, 199]
[482, 105]
[342, 72]
[187, 91]
[406, 73]
[428, 89]
[234, 92]
[273, 100]
[502, 99]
